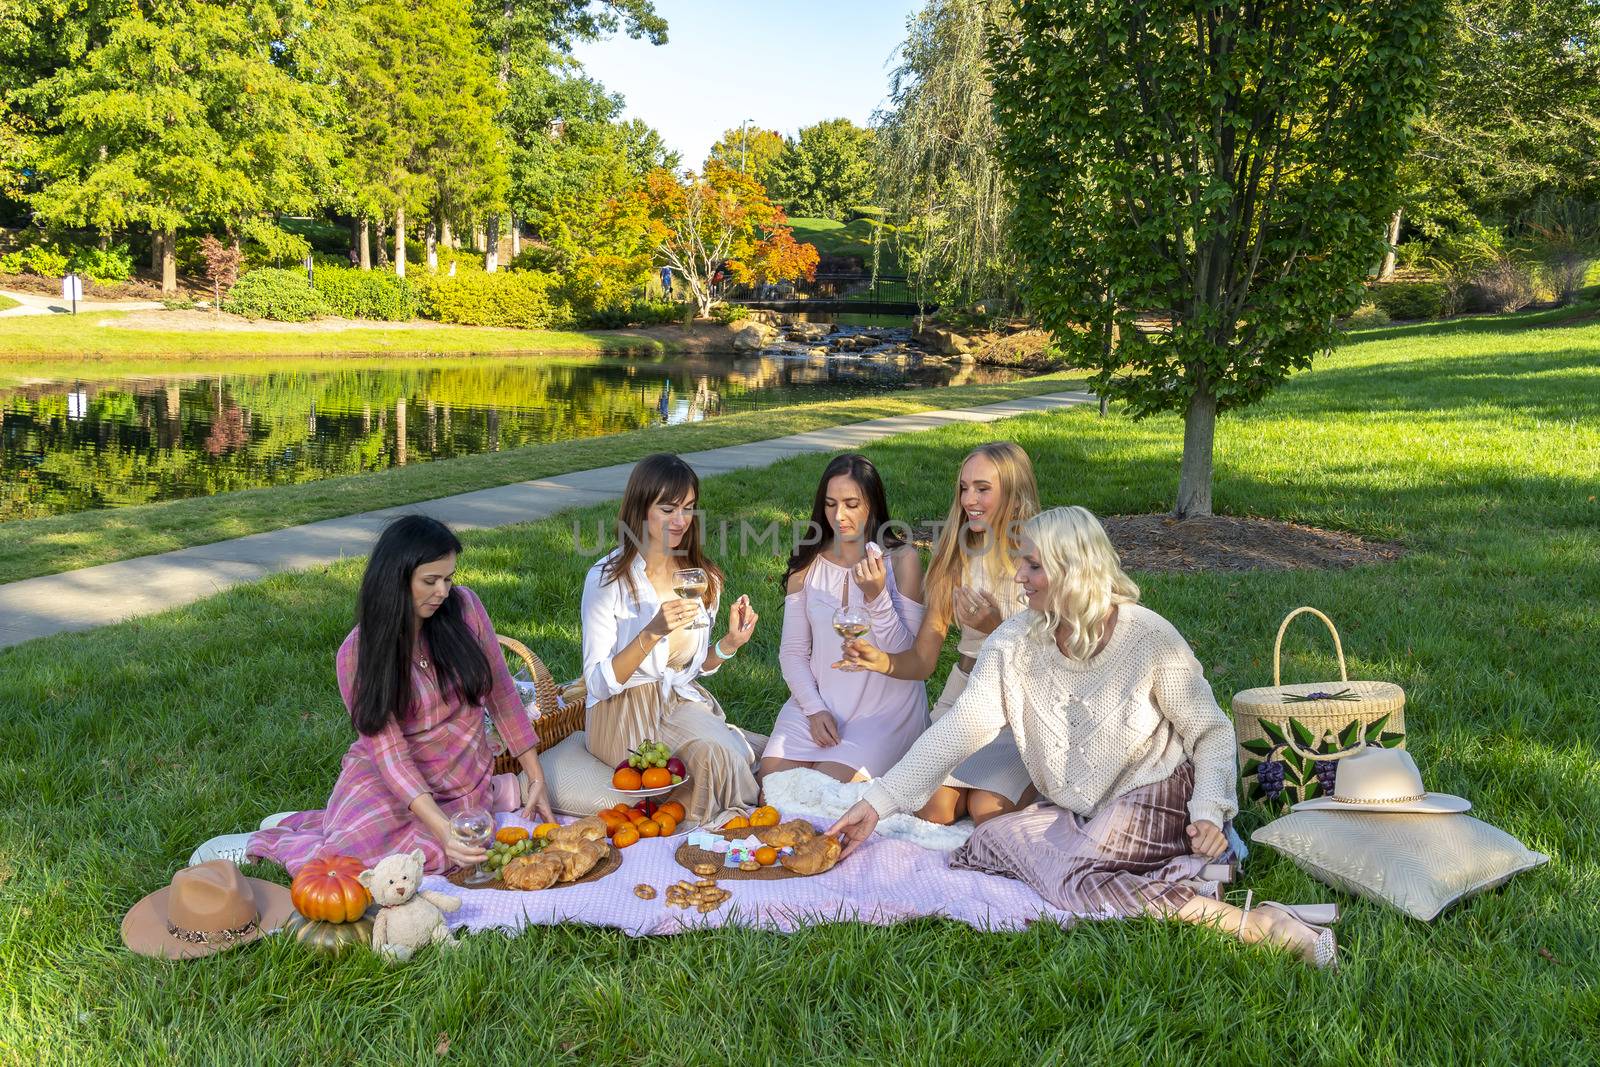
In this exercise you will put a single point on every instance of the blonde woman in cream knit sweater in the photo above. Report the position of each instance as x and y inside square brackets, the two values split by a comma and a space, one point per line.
[1121, 736]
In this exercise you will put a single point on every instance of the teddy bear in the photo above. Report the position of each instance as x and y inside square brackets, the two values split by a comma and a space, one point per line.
[409, 917]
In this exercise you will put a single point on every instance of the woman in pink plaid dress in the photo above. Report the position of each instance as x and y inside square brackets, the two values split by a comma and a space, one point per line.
[417, 673]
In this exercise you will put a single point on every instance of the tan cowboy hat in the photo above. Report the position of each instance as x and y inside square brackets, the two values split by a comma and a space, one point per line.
[1383, 779]
[207, 908]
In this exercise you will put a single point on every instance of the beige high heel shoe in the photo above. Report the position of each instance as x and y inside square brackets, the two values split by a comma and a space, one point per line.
[1323, 953]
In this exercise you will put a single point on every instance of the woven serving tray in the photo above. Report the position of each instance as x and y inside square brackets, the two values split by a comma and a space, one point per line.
[688, 856]
[609, 865]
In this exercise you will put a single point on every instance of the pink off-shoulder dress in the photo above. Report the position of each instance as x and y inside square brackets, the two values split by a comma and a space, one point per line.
[439, 747]
[879, 717]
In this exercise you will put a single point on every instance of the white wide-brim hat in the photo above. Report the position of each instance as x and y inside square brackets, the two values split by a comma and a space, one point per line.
[1383, 779]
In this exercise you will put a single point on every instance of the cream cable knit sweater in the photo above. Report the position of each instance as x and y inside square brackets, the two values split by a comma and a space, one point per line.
[1088, 731]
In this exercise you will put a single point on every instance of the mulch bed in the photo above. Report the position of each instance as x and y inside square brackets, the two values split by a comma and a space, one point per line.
[1227, 543]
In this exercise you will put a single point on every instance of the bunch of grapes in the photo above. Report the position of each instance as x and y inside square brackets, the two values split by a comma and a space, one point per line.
[1327, 772]
[501, 853]
[649, 754]
[1270, 777]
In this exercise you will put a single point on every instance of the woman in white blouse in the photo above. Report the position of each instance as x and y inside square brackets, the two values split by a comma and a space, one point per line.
[645, 648]
[1121, 736]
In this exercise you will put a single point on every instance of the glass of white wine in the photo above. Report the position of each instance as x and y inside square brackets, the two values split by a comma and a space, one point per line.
[850, 622]
[690, 584]
[474, 827]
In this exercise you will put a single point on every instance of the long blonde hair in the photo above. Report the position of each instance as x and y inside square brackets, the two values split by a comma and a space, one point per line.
[1019, 501]
[1086, 577]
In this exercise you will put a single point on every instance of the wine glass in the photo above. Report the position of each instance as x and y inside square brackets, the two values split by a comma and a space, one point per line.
[850, 621]
[690, 584]
[474, 827]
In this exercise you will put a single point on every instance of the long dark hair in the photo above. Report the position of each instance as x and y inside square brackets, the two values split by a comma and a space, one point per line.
[860, 470]
[660, 477]
[384, 614]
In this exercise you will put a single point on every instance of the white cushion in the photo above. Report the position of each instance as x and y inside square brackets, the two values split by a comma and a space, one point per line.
[1420, 864]
[579, 784]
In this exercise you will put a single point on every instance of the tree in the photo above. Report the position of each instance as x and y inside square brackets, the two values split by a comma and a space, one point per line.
[151, 130]
[711, 222]
[939, 174]
[778, 257]
[749, 150]
[829, 169]
[1227, 165]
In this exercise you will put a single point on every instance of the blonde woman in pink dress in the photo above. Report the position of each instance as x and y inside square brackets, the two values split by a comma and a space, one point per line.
[848, 724]
[417, 673]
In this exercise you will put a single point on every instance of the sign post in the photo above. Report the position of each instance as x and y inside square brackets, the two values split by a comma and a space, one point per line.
[72, 289]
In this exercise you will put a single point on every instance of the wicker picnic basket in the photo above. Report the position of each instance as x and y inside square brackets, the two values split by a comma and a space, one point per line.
[1302, 729]
[556, 711]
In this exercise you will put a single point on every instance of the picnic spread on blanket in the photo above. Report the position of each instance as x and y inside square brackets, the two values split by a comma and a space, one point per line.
[1097, 774]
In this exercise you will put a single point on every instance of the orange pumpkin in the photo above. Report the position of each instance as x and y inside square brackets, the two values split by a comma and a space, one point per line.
[767, 816]
[510, 835]
[330, 890]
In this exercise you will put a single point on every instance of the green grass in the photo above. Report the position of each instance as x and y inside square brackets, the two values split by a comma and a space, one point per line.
[56, 543]
[39, 343]
[7, 302]
[1478, 448]
[847, 239]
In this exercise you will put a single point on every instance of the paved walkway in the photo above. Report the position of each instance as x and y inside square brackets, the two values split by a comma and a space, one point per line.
[38, 304]
[96, 596]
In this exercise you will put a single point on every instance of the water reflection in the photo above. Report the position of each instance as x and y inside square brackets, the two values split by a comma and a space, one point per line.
[77, 445]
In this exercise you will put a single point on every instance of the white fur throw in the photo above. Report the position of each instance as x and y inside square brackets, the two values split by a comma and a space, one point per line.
[813, 795]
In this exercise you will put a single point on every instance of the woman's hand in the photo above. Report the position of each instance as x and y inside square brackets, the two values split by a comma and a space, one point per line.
[673, 615]
[856, 825]
[536, 799]
[869, 576]
[459, 854]
[1206, 839]
[862, 655]
[742, 620]
[824, 729]
[977, 610]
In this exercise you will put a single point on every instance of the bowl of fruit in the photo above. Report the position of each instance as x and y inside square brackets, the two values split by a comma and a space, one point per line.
[650, 770]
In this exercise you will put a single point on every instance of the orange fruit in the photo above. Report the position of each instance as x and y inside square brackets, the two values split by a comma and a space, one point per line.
[510, 835]
[543, 829]
[766, 855]
[656, 777]
[767, 816]
[635, 816]
[667, 823]
[738, 822]
[674, 809]
[648, 828]
[625, 836]
[612, 819]
[627, 778]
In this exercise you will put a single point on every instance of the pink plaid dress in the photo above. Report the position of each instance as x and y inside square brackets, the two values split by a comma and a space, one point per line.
[439, 748]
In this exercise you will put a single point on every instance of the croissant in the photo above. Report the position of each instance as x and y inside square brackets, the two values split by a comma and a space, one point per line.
[538, 871]
[814, 856]
[578, 860]
[786, 835]
[586, 829]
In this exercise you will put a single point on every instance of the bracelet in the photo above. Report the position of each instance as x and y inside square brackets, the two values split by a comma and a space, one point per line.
[724, 656]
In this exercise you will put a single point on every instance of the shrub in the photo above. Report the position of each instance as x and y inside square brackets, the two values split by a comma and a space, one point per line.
[1365, 316]
[366, 294]
[11, 262]
[521, 299]
[537, 257]
[1504, 285]
[1410, 300]
[637, 313]
[47, 261]
[279, 295]
[1565, 271]
[463, 258]
[863, 211]
[728, 314]
[105, 265]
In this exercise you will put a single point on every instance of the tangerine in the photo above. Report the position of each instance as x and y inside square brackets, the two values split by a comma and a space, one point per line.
[625, 836]
[674, 809]
[765, 816]
[738, 822]
[635, 816]
[510, 835]
[667, 823]
[766, 855]
[613, 819]
[649, 828]
[656, 777]
[626, 778]
[544, 828]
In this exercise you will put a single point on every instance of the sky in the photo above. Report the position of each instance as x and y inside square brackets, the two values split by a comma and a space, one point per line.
[782, 64]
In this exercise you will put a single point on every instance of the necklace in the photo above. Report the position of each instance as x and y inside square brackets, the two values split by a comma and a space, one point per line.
[422, 662]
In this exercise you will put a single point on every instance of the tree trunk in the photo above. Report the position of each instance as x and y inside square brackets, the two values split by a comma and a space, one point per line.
[383, 244]
[491, 259]
[169, 263]
[516, 237]
[364, 247]
[432, 242]
[1194, 474]
[1386, 271]
[400, 242]
[155, 252]
[447, 235]
[355, 240]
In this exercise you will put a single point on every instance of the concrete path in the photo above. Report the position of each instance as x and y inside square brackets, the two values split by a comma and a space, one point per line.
[38, 304]
[97, 596]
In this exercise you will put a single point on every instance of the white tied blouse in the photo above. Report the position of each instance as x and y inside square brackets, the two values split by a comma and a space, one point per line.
[613, 617]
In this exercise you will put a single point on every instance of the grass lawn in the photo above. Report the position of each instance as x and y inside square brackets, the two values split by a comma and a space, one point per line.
[7, 302]
[1477, 445]
[37, 343]
[56, 543]
[847, 239]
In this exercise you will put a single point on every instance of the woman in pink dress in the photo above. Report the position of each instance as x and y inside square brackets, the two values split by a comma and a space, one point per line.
[848, 724]
[417, 674]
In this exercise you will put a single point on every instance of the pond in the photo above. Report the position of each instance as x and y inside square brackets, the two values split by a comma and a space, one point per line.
[80, 444]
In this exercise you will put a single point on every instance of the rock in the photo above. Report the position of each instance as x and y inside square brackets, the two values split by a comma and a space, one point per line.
[809, 331]
[752, 334]
[942, 342]
[820, 350]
